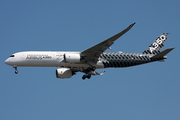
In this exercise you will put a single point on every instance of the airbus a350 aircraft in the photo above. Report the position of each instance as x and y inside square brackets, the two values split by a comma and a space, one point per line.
[89, 60]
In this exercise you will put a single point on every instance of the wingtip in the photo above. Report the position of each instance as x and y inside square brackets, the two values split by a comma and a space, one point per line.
[172, 48]
[132, 24]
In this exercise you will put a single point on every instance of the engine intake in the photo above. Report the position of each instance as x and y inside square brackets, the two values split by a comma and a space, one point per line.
[64, 73]
[72, 58]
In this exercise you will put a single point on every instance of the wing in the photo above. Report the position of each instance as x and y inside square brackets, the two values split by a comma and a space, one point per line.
[92, 54]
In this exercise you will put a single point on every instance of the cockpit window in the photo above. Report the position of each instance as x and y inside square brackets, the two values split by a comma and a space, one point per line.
[12, 56]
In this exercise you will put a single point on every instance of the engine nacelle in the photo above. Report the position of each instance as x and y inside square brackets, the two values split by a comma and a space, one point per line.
[72, 58]
[64, 73]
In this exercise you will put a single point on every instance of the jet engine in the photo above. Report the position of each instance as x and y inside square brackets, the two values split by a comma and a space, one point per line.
[64, 73]
[72, 58]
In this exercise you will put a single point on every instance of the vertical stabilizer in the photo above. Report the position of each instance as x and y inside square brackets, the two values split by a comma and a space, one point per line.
[157, 45]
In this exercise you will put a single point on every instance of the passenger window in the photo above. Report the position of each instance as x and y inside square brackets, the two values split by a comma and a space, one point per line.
[12, 56]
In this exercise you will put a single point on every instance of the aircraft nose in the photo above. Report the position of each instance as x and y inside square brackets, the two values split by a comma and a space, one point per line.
[7, 61]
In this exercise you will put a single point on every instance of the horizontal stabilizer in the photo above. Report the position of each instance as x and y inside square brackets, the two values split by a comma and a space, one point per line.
[163, 53]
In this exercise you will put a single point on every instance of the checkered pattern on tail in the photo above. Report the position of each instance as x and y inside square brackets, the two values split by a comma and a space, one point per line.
[157, 45]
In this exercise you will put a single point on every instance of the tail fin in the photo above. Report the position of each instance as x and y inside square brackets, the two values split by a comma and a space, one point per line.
[157, 45]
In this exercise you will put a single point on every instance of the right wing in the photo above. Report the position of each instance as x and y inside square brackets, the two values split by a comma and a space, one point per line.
[92, 54]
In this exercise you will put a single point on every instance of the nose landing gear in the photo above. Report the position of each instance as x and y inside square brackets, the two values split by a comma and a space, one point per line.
[16, 71]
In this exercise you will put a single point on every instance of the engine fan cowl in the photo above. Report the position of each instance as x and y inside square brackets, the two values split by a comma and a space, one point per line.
[64, 73]
[72, 58]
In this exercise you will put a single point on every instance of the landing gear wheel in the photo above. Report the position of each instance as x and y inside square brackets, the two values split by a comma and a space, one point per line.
[16, 72]
[93, 68]
[89, 76]
[84, 77]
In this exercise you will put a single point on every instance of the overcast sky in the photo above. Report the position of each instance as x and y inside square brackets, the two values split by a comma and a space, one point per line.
[146, 92]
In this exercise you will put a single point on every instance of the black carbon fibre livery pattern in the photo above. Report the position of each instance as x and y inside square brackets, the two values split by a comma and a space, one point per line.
[157, 45]
[120, 59]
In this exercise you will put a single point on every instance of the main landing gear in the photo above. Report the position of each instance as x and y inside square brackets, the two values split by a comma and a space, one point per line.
[86, 76]
[88, 71]
[16, 71]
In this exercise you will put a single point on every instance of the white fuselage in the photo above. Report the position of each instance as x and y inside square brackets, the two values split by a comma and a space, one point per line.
[45, 59]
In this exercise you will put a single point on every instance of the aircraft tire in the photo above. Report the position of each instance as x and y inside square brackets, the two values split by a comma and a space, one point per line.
[89, 76]
[93, 68]
[84, 77]
[16, 72]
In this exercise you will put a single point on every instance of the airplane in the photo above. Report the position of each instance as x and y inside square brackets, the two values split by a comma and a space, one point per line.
[89, 60]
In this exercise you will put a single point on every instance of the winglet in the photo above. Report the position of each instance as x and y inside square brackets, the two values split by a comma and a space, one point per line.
[163, 53]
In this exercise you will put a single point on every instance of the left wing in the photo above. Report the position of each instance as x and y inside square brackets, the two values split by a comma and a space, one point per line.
[92, 54]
